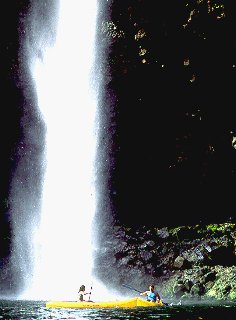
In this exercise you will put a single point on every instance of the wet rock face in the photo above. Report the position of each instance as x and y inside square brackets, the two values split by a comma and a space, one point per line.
[179, 262]
[185, 262]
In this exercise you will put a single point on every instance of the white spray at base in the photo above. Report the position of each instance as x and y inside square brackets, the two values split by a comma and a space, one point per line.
[67, 99]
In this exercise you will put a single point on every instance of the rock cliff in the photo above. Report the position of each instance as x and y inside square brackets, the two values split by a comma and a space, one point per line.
[185, 263]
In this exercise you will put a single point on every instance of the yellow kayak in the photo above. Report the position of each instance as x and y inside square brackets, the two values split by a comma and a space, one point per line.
[131, 303]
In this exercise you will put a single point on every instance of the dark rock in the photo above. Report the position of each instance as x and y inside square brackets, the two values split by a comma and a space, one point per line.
[181, 265]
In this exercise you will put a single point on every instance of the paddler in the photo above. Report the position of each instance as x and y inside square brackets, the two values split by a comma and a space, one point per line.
[82, 293]
[151, 294]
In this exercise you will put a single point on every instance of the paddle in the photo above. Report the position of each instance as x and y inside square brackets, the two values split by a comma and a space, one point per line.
[131, 288]
[90, 293]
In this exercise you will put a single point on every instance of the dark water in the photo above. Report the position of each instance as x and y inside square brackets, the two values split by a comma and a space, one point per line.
[36, 310]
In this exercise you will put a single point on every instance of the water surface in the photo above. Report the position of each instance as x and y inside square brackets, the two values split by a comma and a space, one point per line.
[28, 310]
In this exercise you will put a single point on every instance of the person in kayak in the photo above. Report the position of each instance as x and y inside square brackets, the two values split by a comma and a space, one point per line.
[151, 294]
[82, 293]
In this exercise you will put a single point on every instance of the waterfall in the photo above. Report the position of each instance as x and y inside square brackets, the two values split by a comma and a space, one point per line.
[64, 81]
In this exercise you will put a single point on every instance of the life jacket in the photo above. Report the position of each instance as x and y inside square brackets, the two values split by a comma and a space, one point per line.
[152, 296]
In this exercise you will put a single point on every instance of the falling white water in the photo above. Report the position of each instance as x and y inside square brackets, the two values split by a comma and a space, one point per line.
[67, 100]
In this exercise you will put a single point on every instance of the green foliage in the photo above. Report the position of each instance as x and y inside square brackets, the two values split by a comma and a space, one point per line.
[232, 295]
[221, 228]
[174, 232]
[212, 227]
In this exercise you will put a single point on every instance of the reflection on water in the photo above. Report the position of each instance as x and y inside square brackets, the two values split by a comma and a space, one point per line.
[29, 310]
